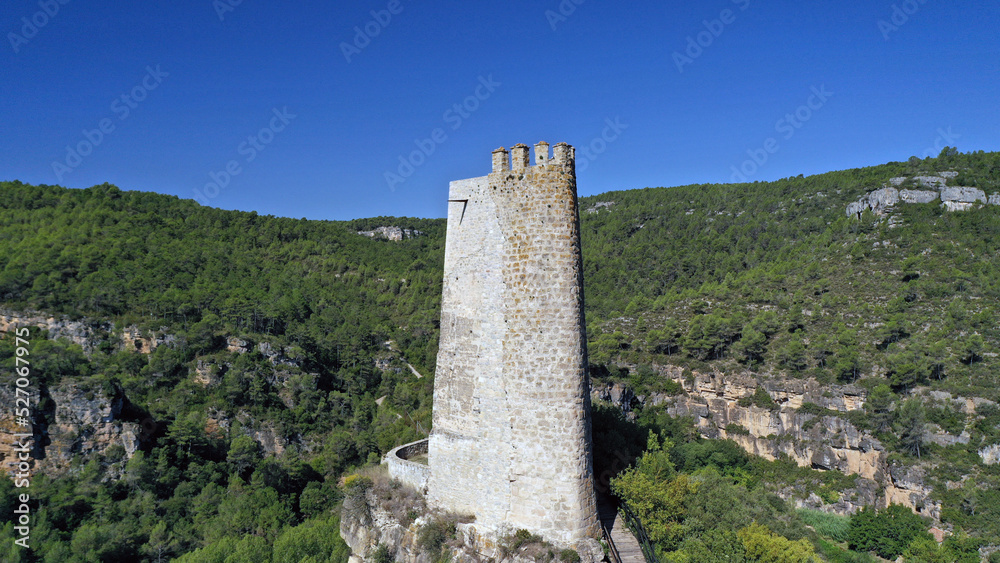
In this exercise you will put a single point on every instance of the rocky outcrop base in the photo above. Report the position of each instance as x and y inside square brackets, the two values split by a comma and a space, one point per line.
[388, 517]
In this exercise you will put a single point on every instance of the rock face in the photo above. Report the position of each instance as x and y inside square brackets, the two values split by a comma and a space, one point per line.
[237, 345]
[961, 198]
[819, 436]
[135, 340]
[906, 486]
[931, 181]
[87, 334]
[917, 196]
[963, 195]
[366, 523]
[87, 420]
[596, 208]
[954, 198]
[391, 233]
[990, 454]
[830, 442]
[879, 201]
[618, 394]
[275, 355]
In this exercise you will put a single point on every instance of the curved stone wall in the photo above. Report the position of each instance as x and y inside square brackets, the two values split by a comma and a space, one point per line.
[409, 472]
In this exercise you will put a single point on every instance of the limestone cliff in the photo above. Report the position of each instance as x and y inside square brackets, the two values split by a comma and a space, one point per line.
[79, 417]
[76, 419]
[953, 198]
[720, 407]
[392, 233]
[86, 333]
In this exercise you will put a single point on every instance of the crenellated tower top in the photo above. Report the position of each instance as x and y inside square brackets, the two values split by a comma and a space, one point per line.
[517, 159]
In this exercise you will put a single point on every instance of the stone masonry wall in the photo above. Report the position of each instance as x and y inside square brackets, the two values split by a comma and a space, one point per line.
[511, 441]
[400, 466]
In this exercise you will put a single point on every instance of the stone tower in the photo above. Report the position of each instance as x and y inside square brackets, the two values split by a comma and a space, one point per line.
[511, 442]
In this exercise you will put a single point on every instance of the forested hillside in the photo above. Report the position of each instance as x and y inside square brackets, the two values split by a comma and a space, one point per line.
[775, 276]
[302, 331]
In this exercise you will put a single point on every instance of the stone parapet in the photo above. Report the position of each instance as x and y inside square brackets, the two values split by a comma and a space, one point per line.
[401, 467]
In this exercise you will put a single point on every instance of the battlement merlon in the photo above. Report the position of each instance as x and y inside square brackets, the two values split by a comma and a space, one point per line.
[501, 160]
[517, 159]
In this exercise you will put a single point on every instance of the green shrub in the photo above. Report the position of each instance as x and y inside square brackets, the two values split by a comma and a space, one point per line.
[813, 408]
[837, 554]
[672, 388]
[828, 525]
[382, 554]
[434, 534]
[888, 532]
[760, 399]
[732, 428]
[828, 495]
[513, 542]
[569, 556]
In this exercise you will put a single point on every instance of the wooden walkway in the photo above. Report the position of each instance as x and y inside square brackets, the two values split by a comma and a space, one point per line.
[628, 546]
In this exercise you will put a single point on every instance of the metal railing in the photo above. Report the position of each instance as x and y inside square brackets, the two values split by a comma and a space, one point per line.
[612, 548]
[639, 532]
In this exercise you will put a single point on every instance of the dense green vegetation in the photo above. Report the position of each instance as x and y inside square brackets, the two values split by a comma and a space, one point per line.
[768, 277]
[326, 297]
[708, 501]
[775, 277]
[157, 260]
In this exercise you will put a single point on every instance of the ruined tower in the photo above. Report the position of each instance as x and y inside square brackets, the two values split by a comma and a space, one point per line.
[511, 442]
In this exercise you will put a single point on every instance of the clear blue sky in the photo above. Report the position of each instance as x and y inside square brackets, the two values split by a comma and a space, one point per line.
[327, 130]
